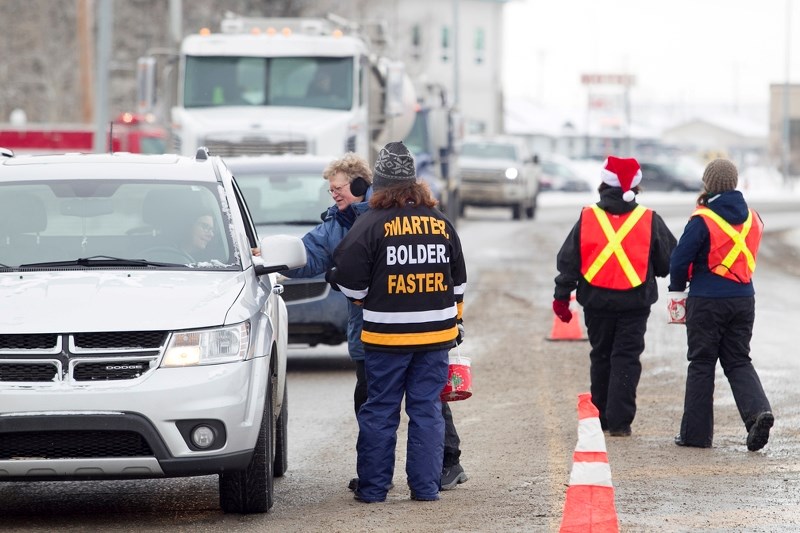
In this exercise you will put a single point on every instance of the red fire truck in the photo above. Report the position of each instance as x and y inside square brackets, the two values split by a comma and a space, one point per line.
[130, 133]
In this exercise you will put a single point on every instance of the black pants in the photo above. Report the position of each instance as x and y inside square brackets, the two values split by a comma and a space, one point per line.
[719, 328]
[617, 343]
[452, 443]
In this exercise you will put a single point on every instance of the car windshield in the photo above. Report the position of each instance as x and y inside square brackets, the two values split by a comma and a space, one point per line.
[324, 82]
[489, 150]
[284, 197]
[114, 223]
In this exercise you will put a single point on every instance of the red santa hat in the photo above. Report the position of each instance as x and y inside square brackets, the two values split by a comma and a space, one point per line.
[622, 172]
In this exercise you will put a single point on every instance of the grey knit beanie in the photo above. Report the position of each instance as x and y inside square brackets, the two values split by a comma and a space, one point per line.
[395, 165]
[720, 176]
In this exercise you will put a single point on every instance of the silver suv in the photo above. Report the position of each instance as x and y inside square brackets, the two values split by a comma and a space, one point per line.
[499, 171]
[142, 332]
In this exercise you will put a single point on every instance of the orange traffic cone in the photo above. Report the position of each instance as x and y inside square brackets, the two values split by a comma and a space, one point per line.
[568, 331]
[589, 507]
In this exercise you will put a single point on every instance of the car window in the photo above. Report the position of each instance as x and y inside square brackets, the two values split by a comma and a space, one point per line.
[284, 197]
[171, 222]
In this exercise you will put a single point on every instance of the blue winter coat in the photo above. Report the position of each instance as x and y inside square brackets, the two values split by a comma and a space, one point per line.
[320, 243]
[693, 248]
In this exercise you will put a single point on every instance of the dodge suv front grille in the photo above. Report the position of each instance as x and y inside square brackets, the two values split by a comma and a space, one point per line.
[73, 445]
[80, 357]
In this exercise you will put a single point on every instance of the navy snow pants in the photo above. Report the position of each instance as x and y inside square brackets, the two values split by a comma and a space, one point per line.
[719, 328]
[452, 442]
[420, 377]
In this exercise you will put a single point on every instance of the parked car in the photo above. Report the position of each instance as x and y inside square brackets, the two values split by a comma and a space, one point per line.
[558, 174]
[287, 194]
[677, 175]
[141, 336]
[499, 171]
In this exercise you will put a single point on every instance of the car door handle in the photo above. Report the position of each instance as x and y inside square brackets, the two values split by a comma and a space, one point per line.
[277, 289]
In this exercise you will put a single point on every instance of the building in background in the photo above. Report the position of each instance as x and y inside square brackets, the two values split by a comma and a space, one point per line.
[784, 126]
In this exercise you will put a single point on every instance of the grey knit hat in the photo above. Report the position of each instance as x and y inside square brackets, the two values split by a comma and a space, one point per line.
[395, 165]
[720, 176]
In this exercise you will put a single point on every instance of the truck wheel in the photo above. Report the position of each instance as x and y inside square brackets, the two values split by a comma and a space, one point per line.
[282, 437]
[516, 211]
[250, 490]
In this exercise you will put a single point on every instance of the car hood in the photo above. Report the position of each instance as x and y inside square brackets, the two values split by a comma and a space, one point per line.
[119, 300]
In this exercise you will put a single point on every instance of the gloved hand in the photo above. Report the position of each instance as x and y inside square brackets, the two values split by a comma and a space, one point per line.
[561, 309]
[460, 336]
[329, 278]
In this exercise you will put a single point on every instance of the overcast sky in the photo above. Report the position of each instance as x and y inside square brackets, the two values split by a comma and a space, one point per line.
[680, 51]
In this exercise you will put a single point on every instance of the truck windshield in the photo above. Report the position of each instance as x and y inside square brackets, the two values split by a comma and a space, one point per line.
[283, 196]
[324, 82]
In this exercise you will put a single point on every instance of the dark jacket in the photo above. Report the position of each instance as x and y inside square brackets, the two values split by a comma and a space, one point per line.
[692, 251]
[320, 243]
[407, 267]
[599, 300]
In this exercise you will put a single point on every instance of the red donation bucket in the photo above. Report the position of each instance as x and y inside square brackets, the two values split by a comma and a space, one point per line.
[676, 305]
[459, 380]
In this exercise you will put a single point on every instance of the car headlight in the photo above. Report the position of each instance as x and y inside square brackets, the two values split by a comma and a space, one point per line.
[208, 346]
[512, 173]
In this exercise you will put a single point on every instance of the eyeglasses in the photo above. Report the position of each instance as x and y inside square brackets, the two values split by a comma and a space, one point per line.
[337, 190]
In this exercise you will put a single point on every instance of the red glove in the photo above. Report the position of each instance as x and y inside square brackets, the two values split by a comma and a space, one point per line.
[561, 309]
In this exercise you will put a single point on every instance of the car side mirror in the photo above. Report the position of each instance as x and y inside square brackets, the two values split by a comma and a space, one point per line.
[278, 253]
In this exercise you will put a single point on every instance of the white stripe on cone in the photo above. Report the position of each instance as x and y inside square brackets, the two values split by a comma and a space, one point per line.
[590, 436]
[590, 474]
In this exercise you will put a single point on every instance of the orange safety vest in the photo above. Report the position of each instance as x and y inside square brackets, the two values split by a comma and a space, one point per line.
[615, 249]
[733, 249]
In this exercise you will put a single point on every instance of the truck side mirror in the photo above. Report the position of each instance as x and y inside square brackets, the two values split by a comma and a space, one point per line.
[146, 84]
[535, 159]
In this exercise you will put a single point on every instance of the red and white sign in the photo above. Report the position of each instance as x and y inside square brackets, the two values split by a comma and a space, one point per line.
[625, 80]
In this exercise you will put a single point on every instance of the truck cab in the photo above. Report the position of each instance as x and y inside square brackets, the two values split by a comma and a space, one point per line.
[285, 85]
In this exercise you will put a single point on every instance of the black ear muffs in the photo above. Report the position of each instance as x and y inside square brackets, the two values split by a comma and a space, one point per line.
[359, 186]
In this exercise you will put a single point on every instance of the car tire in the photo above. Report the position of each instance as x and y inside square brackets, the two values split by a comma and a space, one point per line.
[516, 212]
[281, 464]
[251, 490]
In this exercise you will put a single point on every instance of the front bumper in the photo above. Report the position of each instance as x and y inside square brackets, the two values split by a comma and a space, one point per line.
[133, 429]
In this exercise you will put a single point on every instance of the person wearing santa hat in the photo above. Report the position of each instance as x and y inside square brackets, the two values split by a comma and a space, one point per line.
[611, 258]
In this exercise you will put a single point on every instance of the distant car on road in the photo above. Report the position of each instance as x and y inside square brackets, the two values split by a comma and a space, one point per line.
[670, 176]
[287, 194]
[558, 174]
[499, 171]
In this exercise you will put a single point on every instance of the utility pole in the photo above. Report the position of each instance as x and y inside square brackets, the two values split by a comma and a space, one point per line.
[786, 152]
[105, 20]
[455, 55]
[85, 59]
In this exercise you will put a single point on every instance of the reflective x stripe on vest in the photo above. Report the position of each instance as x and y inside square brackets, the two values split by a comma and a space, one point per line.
[632, 258]
[739, 262]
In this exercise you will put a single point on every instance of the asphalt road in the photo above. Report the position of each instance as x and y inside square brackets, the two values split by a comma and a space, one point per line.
[518, 430]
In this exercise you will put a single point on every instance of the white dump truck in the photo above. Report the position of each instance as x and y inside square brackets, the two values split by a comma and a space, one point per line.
[283, 85]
